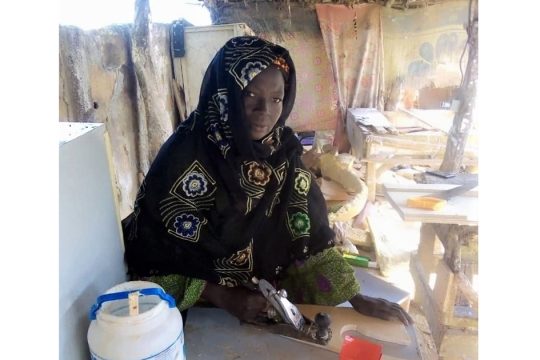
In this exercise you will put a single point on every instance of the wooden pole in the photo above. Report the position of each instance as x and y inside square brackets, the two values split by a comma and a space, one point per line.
[154, 122]
[457, 137]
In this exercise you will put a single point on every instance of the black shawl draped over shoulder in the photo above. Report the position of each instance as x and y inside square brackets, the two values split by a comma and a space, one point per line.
[219, 206]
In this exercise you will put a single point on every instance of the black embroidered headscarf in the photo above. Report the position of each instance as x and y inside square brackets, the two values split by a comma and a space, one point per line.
[219, 206]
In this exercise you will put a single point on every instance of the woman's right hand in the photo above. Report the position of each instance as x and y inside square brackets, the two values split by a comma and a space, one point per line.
[380, 308]
[241, 302]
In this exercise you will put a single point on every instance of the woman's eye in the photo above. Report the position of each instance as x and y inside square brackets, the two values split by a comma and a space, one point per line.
[277, 100]
[249, 94]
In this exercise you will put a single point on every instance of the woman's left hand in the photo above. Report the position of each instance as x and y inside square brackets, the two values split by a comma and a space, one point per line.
[380, 308]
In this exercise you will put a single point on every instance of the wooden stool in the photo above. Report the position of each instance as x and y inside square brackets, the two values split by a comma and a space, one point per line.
[451, 303]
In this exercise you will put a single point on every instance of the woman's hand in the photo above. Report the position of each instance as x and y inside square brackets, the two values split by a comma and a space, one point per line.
[241, 302]
[380, 308]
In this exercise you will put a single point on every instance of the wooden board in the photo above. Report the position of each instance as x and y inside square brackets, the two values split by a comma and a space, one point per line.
[398, 341]
[333, 191]
[461, 210]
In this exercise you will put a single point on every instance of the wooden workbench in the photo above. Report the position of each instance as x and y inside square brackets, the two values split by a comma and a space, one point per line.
[212, 333]
[454, 328]
[415, 137]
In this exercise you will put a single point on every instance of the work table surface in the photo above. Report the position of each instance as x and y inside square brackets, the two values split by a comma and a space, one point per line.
[212, 333]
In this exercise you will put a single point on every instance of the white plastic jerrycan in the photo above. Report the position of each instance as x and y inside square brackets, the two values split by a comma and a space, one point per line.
[136, 320]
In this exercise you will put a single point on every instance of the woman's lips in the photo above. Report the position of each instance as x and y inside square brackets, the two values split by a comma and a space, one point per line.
[258, 131]
[259, 124]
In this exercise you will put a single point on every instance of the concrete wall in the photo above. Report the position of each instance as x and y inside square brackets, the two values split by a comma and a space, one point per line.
[98, 84]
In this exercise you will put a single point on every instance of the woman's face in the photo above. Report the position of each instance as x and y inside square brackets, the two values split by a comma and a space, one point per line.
[263, 102]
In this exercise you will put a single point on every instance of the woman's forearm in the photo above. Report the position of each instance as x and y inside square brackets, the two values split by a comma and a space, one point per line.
[214, 294]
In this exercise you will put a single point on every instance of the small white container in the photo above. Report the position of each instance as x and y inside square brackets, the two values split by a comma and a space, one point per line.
[155, 333]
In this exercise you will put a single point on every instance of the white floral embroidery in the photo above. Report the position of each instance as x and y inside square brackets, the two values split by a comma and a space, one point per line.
[194, 184]
[250, 70]
[222, 102]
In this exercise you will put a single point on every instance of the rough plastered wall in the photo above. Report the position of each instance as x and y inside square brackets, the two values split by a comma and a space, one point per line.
[98, 84]
[316, 97]
[423, 47]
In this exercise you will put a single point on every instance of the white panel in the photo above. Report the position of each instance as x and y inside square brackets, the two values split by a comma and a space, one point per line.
[202, 43]
[91, 251]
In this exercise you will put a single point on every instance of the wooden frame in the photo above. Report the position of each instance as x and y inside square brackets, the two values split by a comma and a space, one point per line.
[376, 165]
[454, 332]
[438, 303]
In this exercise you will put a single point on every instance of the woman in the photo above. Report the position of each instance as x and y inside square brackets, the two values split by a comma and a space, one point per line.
[227, 198]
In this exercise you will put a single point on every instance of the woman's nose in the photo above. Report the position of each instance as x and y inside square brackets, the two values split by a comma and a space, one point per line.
[263, 105]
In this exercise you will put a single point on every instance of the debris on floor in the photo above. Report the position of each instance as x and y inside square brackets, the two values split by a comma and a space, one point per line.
[371, 230]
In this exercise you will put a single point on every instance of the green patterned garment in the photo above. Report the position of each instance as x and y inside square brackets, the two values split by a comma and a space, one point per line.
[323, 279]
[186, 291]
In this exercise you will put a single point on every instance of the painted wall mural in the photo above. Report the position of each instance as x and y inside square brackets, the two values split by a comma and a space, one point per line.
[425, 49]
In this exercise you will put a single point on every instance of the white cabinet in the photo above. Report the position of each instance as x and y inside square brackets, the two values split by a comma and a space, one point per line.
[91, 248]
[201, 44]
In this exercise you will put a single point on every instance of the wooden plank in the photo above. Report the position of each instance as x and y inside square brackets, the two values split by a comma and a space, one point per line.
[465, 286]
[401, 142]
[427, 188]
[424, 297]
[178, 89]
[426, 345]
[427, 216]
[371, 182]
[426, 247]
[381, 169]
[420, 118]
[461, 210]
[444, 292]
[409, 160]
[387, 258]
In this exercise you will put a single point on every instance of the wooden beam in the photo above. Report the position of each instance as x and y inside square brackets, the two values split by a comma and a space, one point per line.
[457, 137]
[371, 181]
[423, 296]
[426, 248]
[154, 127]
[465, 286]
[411, 160]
